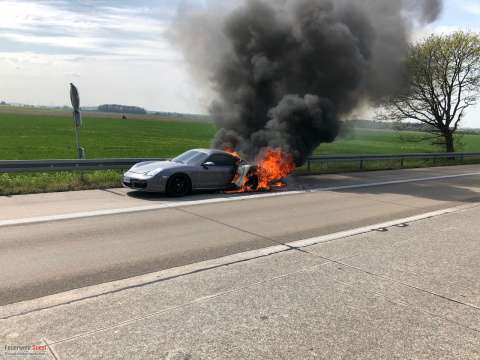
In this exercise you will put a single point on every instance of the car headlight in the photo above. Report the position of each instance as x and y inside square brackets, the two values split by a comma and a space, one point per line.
[154, 172]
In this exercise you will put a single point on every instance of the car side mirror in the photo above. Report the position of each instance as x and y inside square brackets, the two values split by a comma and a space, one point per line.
[208, 164]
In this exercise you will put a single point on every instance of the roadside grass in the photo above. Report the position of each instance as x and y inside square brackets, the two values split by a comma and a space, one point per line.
[33, 183]
[45, 182]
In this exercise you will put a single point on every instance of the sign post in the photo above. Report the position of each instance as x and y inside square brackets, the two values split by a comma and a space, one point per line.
[77, 119]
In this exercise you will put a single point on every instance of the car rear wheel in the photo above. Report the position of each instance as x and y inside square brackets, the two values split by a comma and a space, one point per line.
[178, 186]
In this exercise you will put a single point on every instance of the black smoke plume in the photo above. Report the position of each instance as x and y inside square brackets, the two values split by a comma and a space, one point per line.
[285, 72]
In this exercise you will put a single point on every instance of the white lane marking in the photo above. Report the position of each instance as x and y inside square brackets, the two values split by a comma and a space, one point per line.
[50, 301]
[96, 213]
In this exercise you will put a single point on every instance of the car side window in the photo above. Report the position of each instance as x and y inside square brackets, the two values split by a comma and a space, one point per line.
[222, 160]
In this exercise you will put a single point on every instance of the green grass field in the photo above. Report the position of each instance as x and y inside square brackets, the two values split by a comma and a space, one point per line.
[25, 136]
[365, 141]
[30, 135]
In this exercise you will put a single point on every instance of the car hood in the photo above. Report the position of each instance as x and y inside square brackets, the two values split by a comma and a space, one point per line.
[146, 167]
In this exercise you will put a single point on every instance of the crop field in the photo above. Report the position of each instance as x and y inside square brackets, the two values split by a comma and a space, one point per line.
[27, 136]
[30, 135]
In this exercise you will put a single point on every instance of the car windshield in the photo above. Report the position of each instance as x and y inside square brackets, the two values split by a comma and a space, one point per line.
[191, 158]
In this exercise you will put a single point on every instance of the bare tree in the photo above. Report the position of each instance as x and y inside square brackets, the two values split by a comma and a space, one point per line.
[442, 82]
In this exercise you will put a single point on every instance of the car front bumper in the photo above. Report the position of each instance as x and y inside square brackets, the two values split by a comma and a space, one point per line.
[143, 182]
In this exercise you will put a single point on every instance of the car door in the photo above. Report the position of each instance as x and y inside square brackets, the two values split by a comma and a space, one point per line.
[220, 175]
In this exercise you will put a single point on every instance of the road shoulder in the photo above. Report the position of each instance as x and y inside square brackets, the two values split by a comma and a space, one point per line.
[403, 292]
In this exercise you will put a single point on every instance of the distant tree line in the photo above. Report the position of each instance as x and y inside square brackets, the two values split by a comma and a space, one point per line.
[122, 109]
[193, 117]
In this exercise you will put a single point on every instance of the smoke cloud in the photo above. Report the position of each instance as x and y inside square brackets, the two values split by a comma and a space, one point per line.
[285, 72]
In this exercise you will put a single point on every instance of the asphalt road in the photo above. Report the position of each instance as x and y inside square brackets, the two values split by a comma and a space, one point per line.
[40, 259]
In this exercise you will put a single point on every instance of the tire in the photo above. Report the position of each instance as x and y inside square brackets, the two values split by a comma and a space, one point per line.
[178, 186]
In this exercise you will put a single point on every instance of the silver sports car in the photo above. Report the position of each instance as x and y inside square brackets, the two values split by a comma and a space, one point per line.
[198, 169]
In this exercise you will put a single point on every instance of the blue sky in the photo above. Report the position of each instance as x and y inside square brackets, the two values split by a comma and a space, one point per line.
[116, 51]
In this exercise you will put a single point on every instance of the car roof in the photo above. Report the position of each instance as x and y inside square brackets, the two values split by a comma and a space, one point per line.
[212, 151]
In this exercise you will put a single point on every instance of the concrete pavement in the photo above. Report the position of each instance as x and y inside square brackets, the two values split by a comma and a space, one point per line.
[29, 206]
[406, 292]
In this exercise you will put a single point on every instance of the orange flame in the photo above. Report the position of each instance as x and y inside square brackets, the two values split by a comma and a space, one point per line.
[232, 151]
[273, 166]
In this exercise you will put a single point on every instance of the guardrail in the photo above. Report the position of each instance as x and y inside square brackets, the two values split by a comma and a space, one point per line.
[362, 159]
[10, 166]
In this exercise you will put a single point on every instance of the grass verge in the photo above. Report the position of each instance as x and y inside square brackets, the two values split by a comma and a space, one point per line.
[33, 183]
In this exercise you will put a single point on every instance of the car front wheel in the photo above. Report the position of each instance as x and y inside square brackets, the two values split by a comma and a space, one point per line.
[178, 186]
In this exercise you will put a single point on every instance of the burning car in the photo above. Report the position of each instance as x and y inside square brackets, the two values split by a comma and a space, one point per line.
[199, 169]
[208, 169]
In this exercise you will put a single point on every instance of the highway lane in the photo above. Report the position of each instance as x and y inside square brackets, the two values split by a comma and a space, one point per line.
[28, 206]
[42, 259]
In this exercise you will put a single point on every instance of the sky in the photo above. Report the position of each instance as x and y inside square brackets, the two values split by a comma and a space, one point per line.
[117, 51]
